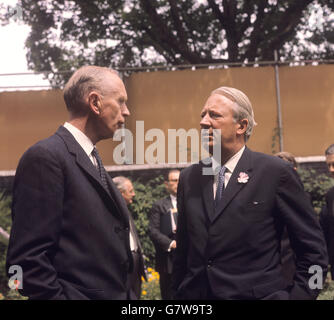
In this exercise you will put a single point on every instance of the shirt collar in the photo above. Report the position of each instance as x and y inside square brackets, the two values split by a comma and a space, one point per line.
[86, 144]
[230, 163]
[233, 161]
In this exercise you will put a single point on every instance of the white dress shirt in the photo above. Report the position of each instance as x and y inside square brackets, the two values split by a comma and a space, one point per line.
[229, 165]
[174, 204]
[85, 143]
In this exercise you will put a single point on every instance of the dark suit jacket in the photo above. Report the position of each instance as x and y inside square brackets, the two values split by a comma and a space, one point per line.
[70, 237]
[236, 252]
[327, 224]
[161, 233]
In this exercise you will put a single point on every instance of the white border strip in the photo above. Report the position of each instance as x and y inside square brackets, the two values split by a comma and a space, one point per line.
[134, 167]
[310, 159]
[7, 173]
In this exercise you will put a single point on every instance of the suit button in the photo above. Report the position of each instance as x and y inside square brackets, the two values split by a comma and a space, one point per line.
[209, 264]
[126, 229]
[117, 229]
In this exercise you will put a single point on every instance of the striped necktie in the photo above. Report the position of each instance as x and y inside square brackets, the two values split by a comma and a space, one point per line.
[101, 169]
[220, 185]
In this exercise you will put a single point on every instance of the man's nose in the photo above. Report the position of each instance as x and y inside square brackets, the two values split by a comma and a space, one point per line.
[125, 111]
[205, 122]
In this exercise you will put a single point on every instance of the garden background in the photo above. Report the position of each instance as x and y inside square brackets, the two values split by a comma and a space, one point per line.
[149, 187]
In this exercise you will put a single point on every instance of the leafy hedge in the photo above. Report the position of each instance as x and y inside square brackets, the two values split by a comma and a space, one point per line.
[316, 185]
[5, 223]
[146, 195]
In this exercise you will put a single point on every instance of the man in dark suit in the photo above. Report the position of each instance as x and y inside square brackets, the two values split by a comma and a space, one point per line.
[230, 224]
[288, 259]
[124, 185]
[162, 230]
[327, 213]
[70, 232]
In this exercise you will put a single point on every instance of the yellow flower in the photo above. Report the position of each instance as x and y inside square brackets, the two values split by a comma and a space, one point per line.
[144, 293]
[149, 269]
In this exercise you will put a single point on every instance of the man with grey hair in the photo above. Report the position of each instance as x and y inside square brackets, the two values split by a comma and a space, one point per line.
[327, 212]
[125, 187]
[70, 232]
[230, 223]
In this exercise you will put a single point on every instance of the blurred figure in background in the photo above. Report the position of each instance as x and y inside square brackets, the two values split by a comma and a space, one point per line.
[124, 185]
[327, 213]
[287, 156]
[288, 259]
[162, 230]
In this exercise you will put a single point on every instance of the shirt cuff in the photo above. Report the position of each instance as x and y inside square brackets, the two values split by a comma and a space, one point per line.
[170, 246]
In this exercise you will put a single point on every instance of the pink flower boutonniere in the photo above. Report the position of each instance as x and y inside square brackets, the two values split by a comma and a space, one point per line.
[243, 177]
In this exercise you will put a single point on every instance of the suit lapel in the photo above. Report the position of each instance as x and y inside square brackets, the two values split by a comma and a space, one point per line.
[167, 204]
[86, 165]
[233, 186]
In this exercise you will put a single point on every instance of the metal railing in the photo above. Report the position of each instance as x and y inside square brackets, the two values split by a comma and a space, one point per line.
[153, 68]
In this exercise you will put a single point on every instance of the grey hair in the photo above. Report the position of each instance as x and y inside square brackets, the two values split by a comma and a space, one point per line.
[330, 150]
[120, 182]
[242, 107]
[81, 83]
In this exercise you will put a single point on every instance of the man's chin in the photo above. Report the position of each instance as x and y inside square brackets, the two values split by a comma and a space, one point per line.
[208, 147]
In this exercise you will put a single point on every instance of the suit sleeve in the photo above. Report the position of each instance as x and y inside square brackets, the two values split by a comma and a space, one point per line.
[37, 215]
[181, 251]
[305, 234]
[159, 239]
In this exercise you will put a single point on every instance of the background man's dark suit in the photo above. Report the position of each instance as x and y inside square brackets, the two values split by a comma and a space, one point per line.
[161, 233]
[327, 224]
[235, 253]
[75, 243]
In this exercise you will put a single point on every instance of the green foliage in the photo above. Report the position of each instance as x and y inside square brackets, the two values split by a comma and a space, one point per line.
[316, 186]
[327, 293]
[146, 195]
[5, 212]
[126, 33]
[275, 140]
[5, 223]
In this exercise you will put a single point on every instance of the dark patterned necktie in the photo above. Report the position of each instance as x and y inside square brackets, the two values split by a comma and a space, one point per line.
[101, 169]
[220, 185]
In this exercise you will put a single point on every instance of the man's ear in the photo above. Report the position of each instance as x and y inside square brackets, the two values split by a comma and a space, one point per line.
[243, 124]
[94, 102]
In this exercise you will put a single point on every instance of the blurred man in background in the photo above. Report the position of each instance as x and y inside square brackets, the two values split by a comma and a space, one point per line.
[162, 230]
[327, 212]
[125, 187]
